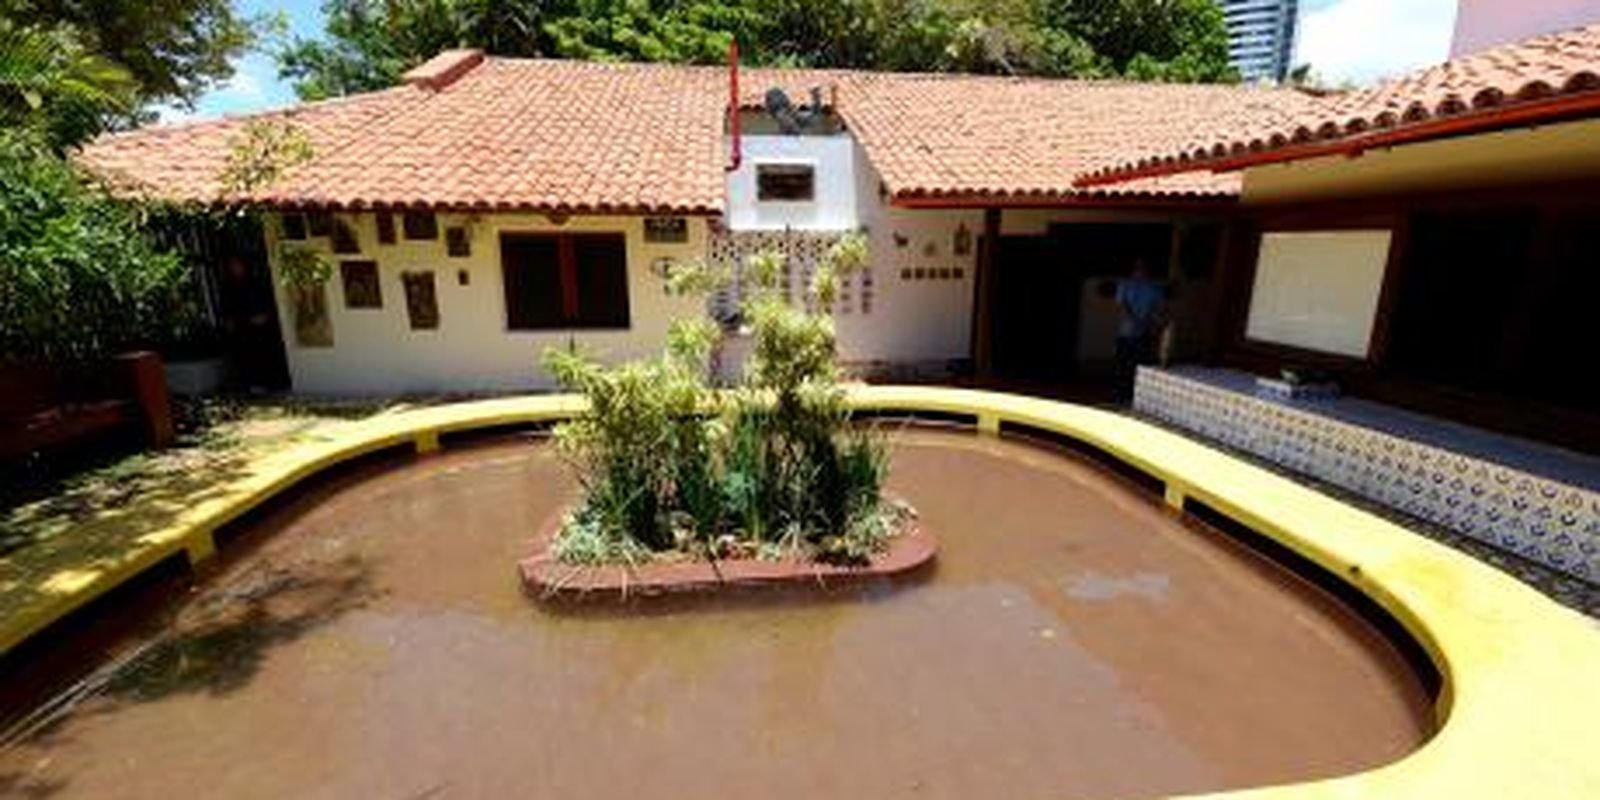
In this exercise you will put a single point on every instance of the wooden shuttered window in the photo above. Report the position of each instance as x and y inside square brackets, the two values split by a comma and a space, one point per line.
[562, 281]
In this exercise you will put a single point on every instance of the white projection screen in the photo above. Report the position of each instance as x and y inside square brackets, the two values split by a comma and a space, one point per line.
[1318, 290]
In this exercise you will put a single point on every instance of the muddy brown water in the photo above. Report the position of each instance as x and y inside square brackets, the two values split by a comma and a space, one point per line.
[1074, 640]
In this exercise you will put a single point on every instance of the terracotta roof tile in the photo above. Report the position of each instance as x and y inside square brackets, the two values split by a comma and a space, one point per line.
[1527, 75]
[579, 136]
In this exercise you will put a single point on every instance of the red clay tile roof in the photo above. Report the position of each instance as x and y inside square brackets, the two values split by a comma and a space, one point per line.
[578, 136]
[932, 136]
[1547, 77]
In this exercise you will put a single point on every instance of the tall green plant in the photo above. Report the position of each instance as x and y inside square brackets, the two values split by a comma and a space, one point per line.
[770, 466]
[78, 275]
[50, 84]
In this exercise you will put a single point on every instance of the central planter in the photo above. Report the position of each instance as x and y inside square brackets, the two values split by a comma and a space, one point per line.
[544, 577]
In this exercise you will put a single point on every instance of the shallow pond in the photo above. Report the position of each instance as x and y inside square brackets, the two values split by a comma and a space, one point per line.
[369, 639]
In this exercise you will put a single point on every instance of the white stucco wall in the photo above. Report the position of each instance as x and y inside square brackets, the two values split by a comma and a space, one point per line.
[376, 352]
[912, 321]
[834, 205]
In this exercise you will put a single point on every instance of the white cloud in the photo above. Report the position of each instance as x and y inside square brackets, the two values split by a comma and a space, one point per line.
[1365, 40]
[254, 86]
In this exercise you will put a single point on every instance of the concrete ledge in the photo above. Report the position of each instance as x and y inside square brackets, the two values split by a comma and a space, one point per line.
[1518, 703]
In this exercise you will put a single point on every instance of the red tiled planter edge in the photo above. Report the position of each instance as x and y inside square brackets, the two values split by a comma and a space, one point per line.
[544, 578]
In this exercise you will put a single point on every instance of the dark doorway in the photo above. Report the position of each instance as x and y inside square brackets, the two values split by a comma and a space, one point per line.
[235, 294]
[1035, 310]
[1039, 291]
[1494, 310]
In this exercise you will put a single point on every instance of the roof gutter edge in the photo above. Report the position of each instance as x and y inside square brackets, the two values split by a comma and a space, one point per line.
[1559, 109]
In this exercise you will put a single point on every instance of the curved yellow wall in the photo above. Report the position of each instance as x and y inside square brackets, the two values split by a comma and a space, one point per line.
[1520, 697]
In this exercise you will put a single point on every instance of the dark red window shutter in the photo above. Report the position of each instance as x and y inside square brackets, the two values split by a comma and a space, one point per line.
[557, 281]
[602, 280]
[532, 269]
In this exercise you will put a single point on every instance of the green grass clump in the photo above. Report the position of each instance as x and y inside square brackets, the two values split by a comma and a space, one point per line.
[772, 467]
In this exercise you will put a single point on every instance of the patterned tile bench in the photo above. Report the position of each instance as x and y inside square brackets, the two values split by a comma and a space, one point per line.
[1538, 501]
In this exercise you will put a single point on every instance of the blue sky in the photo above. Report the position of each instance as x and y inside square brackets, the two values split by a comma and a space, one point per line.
[255, 84]
[1344, 40]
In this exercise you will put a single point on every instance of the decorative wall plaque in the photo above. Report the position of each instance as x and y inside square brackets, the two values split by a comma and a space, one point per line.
[422, 301]
[362, 288]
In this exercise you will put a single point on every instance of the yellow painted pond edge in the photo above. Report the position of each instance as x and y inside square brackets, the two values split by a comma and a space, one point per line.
[1519, 703]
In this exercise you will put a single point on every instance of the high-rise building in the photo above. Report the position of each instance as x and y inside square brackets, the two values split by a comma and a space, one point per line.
[1261, 36]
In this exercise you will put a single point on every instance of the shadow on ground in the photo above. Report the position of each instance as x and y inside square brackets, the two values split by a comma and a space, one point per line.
[225, 642]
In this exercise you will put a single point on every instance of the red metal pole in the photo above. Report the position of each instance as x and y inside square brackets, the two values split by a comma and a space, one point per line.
[733, 105]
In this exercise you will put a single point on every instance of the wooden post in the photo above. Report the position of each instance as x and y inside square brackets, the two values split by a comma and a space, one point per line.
[148, 378]
[983, 296]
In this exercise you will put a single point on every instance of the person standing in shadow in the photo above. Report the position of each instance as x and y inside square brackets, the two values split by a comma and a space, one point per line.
[1143, 315]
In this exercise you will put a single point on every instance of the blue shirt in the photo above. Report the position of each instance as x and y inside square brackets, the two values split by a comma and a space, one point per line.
[1142, 300]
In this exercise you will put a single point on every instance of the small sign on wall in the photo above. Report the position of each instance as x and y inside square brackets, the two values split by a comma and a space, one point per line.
[666, 230]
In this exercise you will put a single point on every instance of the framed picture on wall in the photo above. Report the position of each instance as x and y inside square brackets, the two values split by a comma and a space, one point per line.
[361, 286]
[422, 301]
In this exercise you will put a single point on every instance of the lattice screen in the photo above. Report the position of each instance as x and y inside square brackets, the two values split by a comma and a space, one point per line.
[803, 251]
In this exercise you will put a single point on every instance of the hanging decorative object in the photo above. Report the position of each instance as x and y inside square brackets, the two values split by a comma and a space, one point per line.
[901, 240]
[362, 288]
[422, 303]
[961, 243]
[458, 241]
[312, 325]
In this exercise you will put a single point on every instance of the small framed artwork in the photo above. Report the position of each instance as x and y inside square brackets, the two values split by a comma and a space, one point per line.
[294, 227]
[457, 242]
[962, 244]
[422, 301]
[313, 327]
[344, 238]
[385, 227]
[361, 286]
[319, 223]
[420, 225]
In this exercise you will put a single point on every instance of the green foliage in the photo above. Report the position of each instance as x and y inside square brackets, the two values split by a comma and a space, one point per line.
[641, 450]
[300, 266]
[51, 85]
[78, 276]
[173, 50]
[369, 44]
[262, 153]
[772, 466]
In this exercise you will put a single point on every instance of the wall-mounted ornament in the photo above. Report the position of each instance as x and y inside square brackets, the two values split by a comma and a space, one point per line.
[422, 303]
[313, 327]
[666, 230]
[558, 218]
[961, 243]
[294, 227]
[930, 249]
[901, 240]
[386, 229]
[458, 241]
[362, 289]
[319, 223]
[661, 267]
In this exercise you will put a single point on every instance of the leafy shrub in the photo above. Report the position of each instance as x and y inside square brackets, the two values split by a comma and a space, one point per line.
[78, 276]
[769, 467]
